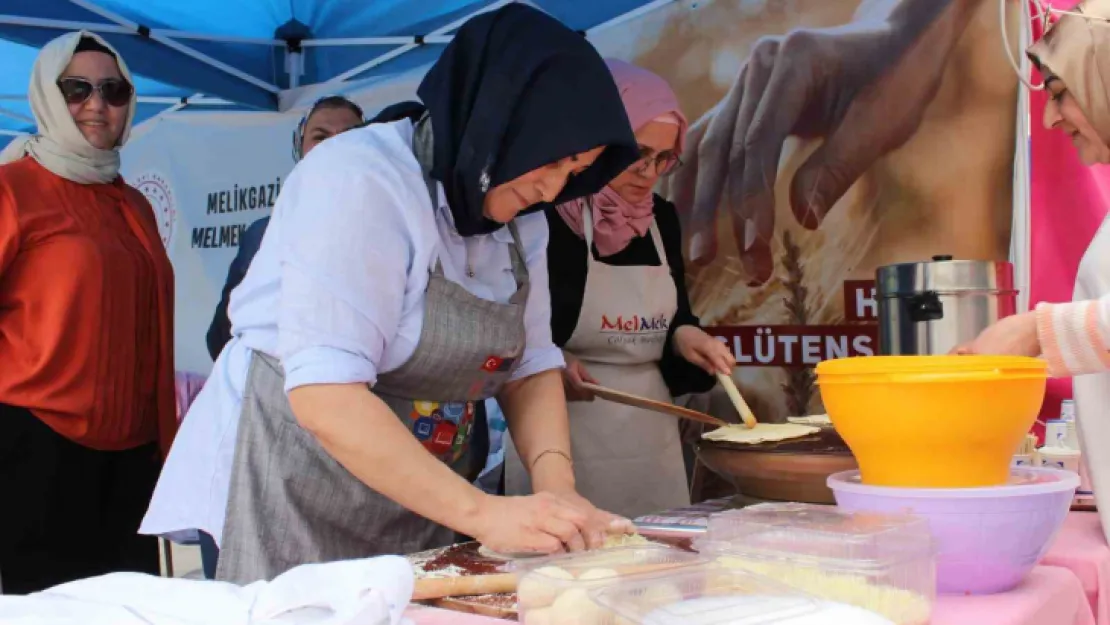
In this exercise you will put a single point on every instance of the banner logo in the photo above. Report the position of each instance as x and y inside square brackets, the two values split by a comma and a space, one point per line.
[157, 190]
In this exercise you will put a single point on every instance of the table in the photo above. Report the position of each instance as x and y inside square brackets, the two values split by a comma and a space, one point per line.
[1071, 587]
[1049, 594]
[421, 615]
[1082, 549]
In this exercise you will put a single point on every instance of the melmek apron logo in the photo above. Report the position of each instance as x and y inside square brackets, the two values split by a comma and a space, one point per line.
[634, 328]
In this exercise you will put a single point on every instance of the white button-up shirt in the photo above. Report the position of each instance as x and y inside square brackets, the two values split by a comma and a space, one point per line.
[336, 292]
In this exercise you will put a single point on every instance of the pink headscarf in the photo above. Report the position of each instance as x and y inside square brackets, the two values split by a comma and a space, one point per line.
[647, 98]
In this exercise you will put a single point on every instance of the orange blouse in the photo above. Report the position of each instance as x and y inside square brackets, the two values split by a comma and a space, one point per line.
[86, 309]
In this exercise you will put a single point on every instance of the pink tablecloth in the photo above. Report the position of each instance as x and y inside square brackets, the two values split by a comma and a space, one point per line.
[1082, 549]
[1050, 595]
[420, 615]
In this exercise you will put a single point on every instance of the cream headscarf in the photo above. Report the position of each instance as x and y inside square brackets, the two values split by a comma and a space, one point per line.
[1077, 49]
[59, 145]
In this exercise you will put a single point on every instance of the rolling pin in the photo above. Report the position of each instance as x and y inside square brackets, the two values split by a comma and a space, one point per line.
[737, 400]
[440, 587]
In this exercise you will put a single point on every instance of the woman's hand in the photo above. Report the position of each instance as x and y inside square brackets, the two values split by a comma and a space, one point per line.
[1015, 335]
[544, 523]
[574, 375]
[693, 344]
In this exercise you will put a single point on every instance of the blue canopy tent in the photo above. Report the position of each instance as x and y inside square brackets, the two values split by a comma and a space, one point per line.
[243, 54]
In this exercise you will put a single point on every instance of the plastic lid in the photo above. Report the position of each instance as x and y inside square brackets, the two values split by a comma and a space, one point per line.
[1023, 481]
[715, 595]
[633, 559]
[867, 365]
[812, 532]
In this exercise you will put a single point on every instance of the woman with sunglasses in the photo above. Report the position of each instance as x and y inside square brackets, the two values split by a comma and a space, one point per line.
[620, 311]
[1074, 338]
[86, 331]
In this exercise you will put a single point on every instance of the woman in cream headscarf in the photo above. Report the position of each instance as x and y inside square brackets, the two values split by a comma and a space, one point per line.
[1074, 58]
[86, 331]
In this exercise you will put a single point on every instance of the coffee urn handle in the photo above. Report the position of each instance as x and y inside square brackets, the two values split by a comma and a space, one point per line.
[925, 307]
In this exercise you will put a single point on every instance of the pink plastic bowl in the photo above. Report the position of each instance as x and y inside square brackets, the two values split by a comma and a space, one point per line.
[987, 539]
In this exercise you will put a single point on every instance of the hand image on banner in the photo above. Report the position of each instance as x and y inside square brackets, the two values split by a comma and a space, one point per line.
[832, 137]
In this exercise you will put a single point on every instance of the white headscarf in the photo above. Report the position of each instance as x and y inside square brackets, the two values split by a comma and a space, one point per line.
[59, 145]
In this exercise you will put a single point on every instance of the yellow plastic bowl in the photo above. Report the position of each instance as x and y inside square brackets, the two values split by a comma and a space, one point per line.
[933, 421]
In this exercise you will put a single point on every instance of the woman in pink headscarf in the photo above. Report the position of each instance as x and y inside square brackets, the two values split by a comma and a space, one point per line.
[620, 312]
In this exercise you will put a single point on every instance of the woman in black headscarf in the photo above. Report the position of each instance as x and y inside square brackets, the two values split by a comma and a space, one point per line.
[338, 421]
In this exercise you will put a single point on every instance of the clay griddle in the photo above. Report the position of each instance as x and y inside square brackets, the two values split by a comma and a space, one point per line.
[824, 441]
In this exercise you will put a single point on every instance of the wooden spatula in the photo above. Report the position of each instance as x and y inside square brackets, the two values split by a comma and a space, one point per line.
[629, 399]
[737, 400]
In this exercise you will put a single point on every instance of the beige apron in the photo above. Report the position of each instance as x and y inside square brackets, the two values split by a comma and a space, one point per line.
[627, 460]
[1092, 392]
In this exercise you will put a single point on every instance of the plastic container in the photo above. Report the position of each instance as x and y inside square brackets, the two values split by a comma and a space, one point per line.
[555, 589]
[882, 563]
[717, 595]
[987, 539]
[1058, 457]
[933, 421]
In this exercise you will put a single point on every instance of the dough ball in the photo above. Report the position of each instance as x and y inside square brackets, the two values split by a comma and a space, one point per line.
[574, 607]
[596, 574]
[536, 589]
[538, 616]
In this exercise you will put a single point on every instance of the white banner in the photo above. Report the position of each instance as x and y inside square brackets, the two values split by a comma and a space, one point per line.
[208, 176]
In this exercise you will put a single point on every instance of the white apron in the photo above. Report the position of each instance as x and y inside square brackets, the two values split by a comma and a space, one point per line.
[1092, 391]
[627, 460]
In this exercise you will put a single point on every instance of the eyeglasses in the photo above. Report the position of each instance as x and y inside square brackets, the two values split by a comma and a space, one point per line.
[116, 92]
[662, 163]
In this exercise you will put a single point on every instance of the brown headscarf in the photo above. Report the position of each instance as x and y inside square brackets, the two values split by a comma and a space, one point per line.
[1077, 50]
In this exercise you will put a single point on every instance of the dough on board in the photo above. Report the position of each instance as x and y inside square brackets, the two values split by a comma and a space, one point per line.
[761, 433]
[611, 542]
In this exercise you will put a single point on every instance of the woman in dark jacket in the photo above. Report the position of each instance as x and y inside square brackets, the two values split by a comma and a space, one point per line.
[622, 316]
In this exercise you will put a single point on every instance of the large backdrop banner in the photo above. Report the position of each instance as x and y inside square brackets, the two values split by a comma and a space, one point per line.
[832, 137]
[828, 138]
[208, 177]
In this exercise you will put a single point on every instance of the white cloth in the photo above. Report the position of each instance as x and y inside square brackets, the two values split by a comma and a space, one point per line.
[1092, 391]
[59, 145]
[336, 292]
[374, 591]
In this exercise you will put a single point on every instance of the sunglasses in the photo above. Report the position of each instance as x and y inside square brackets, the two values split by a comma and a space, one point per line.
[115, 91]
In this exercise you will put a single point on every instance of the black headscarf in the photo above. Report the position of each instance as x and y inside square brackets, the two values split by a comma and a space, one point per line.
[516, 90]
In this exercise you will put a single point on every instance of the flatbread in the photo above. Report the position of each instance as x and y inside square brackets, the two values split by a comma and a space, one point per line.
[815, 419]
[761, 433]
[611, 542]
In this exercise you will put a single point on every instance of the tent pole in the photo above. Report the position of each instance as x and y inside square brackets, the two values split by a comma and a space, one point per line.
[100, 27]
[396, 52]
[38, 22]
[19, 117]
[374, 41]
[177, 47]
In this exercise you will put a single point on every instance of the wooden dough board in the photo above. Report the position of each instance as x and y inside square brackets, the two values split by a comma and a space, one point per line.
[466, 557]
